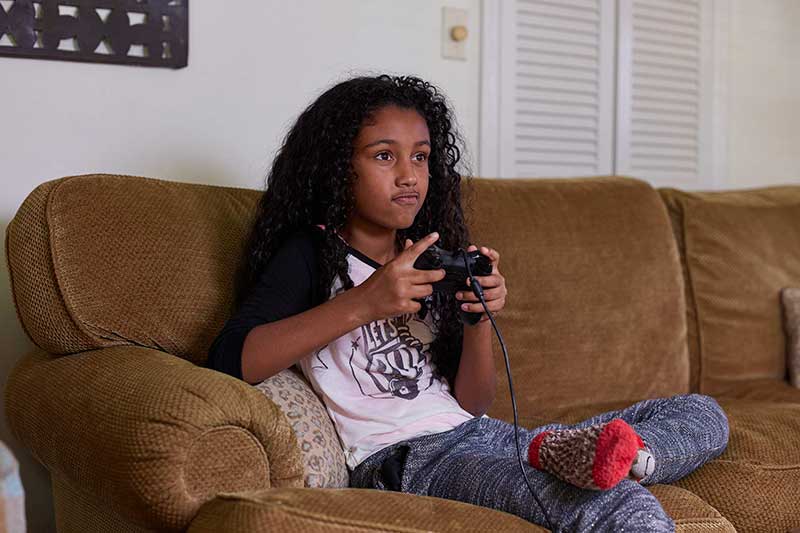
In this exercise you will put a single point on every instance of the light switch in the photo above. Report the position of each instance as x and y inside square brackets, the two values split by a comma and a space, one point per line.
[454, 33]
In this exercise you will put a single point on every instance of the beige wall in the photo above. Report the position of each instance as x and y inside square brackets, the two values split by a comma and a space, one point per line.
[253, 66]
[763, 89]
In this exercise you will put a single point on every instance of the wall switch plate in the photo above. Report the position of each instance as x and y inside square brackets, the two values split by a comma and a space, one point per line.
[454, 33]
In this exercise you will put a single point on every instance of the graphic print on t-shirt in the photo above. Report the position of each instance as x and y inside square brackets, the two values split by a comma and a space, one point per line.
[319, 358]
[388, 359]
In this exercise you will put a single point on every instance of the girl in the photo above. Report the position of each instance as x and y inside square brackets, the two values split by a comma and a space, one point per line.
[365, 181]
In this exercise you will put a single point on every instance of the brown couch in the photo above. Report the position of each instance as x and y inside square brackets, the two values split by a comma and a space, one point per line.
[617, 292]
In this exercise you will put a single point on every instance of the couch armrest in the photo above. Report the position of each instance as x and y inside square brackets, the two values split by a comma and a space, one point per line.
[147, 433]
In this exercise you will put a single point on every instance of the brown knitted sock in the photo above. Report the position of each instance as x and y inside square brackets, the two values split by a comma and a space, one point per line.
[597, 457]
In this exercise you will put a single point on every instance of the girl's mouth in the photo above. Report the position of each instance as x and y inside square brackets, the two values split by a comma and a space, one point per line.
[409, 198]
[406, 200]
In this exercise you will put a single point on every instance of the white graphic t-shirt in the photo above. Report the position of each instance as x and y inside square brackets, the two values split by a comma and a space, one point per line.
[377, 381]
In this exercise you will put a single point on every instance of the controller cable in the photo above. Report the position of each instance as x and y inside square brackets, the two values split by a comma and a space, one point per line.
[478, 290]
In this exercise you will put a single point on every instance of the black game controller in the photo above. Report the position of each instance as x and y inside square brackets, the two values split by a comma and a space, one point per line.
[456, 272]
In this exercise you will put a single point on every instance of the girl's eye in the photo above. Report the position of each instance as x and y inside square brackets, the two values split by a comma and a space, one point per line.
[422, 156]
[383, 156]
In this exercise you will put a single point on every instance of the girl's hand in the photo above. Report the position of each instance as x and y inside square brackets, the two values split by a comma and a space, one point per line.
[494, 288]
[392, 289]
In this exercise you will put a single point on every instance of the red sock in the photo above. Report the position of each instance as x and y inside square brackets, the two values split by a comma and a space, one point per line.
[597, 457]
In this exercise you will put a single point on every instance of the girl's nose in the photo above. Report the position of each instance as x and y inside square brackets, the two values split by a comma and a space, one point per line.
[407, 178]
[406, 174]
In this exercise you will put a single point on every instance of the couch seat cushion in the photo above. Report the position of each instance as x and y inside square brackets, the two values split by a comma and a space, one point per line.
[690, 513]
[755, 484]
[350, 510]
[353, 510]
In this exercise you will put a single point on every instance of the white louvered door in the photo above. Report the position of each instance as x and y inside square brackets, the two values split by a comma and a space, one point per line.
[663, 108]
[592, 87]
[557, 87]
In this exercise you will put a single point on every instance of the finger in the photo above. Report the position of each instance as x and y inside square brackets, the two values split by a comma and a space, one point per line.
[474, 307]
[488, 295]
[408, 244]
[467, 296]
[472, 248]
[427, 276]
[415, 307]
[421, 291]
[492, 254]
[494, 306]
[487, 282]
[496, 293]
[420, 246]
[412, 306]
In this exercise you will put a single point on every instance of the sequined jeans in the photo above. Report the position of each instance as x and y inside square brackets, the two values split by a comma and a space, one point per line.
[476, 463]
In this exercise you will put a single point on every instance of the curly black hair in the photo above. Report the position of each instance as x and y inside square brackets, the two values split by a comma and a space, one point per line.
[311, 181]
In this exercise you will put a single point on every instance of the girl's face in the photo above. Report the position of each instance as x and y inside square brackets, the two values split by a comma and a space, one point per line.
[390, 157]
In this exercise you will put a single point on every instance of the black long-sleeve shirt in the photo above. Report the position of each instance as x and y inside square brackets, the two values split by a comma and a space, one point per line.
[285, 287]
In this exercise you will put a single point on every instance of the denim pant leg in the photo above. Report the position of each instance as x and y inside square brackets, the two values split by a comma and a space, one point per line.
[683, 432]
[464, 465]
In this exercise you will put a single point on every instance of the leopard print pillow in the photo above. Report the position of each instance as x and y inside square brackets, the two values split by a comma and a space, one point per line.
[790, 297]
[319, 443]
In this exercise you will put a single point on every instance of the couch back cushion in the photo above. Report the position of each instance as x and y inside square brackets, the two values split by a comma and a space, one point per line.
[739, 249]
[103, 260]
[595, 309]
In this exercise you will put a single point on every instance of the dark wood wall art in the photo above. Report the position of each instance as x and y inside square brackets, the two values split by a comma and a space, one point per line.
[152, 33]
